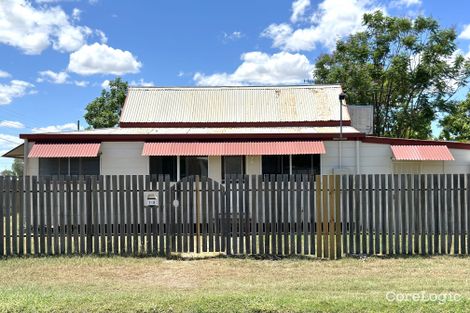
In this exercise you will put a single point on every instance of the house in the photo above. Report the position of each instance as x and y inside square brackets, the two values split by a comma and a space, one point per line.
[215, 131]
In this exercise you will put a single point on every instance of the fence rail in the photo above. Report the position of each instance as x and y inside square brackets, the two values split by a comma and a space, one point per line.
[323, 216]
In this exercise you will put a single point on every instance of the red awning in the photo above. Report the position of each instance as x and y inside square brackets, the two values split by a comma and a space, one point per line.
[233, 148]
[422, 153]
[64, 150]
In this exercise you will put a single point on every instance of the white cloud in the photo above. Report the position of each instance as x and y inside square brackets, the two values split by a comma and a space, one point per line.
[180, 74]
[15, 89]
[55, 128]
[102, 36]
[105, 84]
[11, 124]
[405, 3]
[262, 68]
[465, 34]
[53, 77]
[8, 142]
[235, 35]
[102, 59]
[76, 14]
[332, 20]
[33, 29]
[4, 74]
[298, 10]
[141, 83]
[53, 1]
[81, 83]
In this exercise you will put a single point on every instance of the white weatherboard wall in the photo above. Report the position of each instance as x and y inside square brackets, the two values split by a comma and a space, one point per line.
[460, 165]
[32, 164]
[370, 159]
[123, 158]
[253, 165]
[215, 168]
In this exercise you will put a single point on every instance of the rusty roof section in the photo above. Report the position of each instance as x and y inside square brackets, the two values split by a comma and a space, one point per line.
[232, 105]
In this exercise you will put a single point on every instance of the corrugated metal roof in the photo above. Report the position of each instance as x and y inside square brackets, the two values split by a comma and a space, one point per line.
[421, 153]
[213, 130]
[232, 148]
[60, 150]
[232, 104]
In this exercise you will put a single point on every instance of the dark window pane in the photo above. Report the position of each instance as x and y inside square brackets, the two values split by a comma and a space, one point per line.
[69, 166]
[233, 165]
[74, 166]
[193, 166]
[64, 166]
[306, 164]
[90, 166]
[163, 165]
[275, 164]
[49, 166]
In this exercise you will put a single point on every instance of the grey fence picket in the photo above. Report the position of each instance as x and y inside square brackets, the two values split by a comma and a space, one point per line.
[260, 209]
[327, 216]
[254, 214]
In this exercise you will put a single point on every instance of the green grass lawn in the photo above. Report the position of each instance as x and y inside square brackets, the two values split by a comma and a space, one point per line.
[92, 284]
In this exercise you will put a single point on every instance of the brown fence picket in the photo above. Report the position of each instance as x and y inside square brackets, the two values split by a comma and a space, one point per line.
[337, 220]
[312, 208]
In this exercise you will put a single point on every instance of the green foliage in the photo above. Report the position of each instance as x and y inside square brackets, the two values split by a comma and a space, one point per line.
[407, 69]
[8, 173]
[104, 111]
[456, 124]
[16, 169]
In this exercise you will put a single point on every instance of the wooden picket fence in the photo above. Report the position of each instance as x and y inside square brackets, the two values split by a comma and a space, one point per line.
[281, 215]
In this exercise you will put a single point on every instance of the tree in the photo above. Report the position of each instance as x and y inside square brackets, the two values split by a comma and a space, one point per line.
[7, 173]
[407, 69]
[104, 111]
[456, 124]
[16, 169]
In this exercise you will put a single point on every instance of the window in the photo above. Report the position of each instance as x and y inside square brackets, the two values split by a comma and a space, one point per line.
[275, 164]
[164, 165]
[295, 164]
[306, 164]
[233, 165]
[69, 166]
[193, 166]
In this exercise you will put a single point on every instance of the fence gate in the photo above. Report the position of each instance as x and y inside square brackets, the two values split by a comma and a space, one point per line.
[196, 215]
[271, 214]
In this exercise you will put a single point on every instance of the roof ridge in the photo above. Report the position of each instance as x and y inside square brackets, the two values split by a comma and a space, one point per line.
[238, 87]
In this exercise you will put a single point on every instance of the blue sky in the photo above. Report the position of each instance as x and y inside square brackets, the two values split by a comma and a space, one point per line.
[56, 55]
